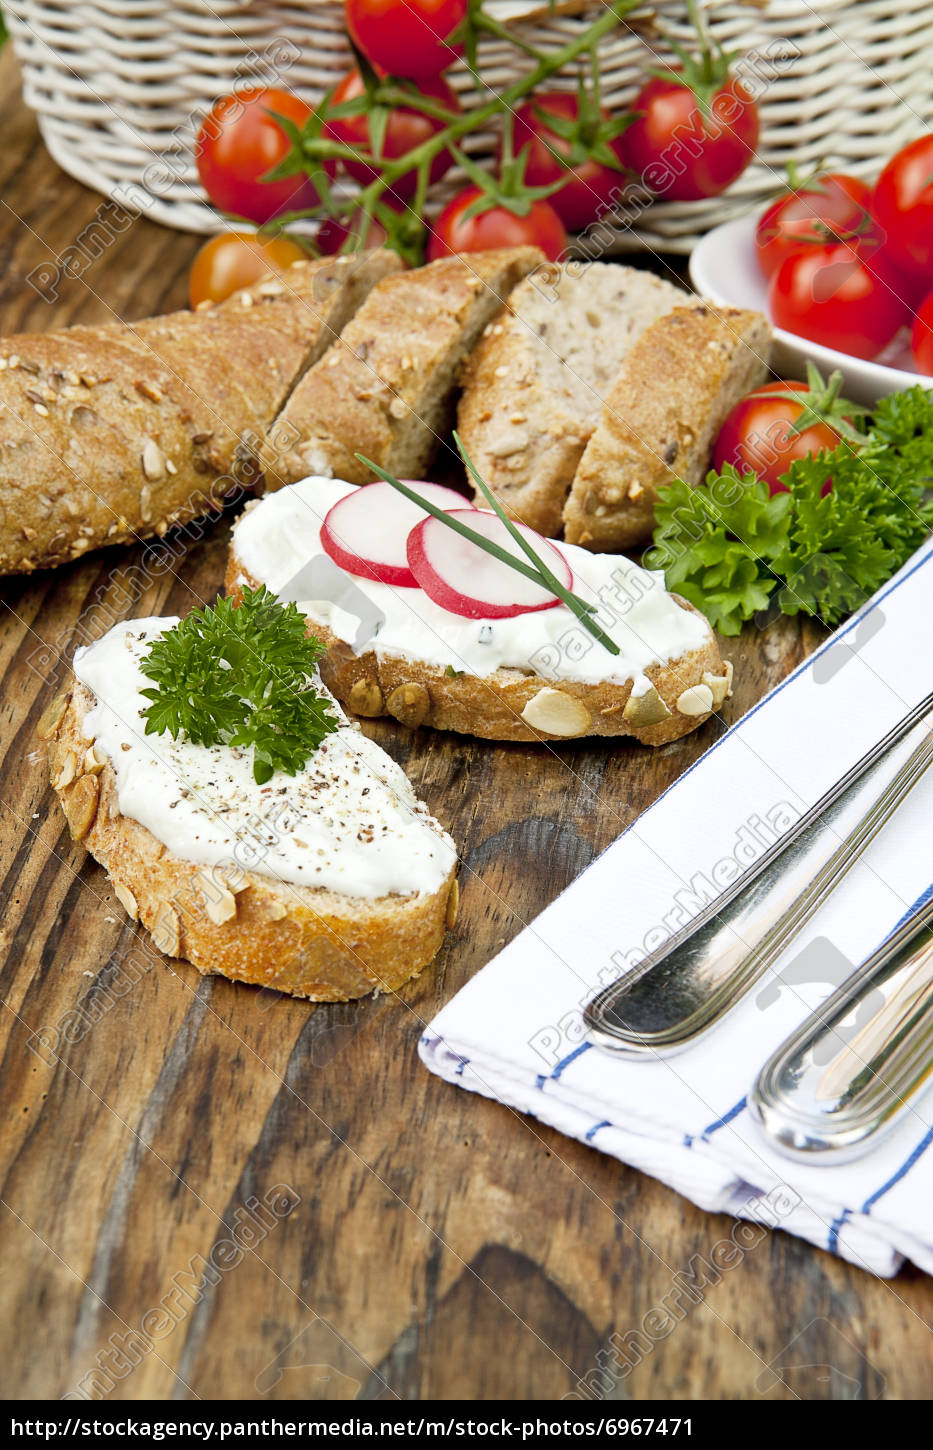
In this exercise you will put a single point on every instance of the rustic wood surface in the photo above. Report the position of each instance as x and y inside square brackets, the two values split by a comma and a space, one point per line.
[442, 1246]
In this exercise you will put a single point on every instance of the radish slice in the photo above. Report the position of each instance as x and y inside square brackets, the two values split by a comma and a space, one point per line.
[366, 533]
[460, 576]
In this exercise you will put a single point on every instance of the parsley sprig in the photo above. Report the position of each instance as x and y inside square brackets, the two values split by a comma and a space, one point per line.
[733, 550]
[241, 675]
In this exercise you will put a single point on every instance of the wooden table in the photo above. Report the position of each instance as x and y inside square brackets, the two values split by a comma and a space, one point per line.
[442, 1245]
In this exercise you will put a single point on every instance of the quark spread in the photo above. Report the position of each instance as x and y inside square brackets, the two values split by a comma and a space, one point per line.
[278, 543]
[349, 821]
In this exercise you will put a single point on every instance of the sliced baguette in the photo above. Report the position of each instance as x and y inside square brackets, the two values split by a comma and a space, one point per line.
[118, 432]
[309, 942]
[374, 676]
[386, 388]
[661, 419]
[533, 387]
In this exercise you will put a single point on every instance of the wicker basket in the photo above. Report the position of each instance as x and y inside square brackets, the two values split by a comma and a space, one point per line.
[119, 89]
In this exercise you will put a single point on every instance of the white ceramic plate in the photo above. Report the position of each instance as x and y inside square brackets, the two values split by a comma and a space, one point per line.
[724, 268]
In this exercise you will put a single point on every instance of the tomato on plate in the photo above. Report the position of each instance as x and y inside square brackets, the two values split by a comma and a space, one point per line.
[238, 259]
[681, 154]
[829, 207]
[840, 294]
[590, 187]
[921, 339]
[405, 129]
[497, 226]
[407, 37]
[759, 434]
[240, 142]
[903, 205]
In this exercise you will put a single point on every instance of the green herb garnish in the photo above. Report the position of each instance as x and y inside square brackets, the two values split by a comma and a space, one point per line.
[241, 675]
[733, 550]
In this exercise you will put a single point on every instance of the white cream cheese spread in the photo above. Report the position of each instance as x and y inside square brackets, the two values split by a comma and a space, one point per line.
[278, 543]
[348, 821]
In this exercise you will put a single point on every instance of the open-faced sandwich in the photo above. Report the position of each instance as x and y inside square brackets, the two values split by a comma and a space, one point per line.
[249, 826]
[434, 612]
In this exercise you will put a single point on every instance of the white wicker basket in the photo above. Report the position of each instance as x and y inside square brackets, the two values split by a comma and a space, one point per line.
[119, 87]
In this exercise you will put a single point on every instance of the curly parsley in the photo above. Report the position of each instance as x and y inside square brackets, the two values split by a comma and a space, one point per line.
[241, 675]
[733, 550]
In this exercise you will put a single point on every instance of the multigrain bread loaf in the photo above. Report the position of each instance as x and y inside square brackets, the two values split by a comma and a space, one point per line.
[386, 388]
[661, 418]
[310, 942]
[117, 432]
[534, 386]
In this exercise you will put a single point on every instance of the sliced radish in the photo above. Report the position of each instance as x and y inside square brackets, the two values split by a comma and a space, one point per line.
[460, 576]
[366, 533]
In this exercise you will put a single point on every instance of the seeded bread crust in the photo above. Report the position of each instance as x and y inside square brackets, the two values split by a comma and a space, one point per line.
[305, 941]
[386, 388]
[533, 387]
[118, 432]
[661, 419]
[490, 707]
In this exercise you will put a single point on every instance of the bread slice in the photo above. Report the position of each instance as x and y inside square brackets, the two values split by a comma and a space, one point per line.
[118, 432]
[534, 386]
[373, 634]
[661, 419]
[249, 925]
[386, 388]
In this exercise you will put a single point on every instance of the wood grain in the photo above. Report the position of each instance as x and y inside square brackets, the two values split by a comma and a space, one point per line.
[442, 1245]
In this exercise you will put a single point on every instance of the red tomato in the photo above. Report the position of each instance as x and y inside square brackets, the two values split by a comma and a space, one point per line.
[332, 234]
[754, 436]
[407, 37]
[921, 341]
[239, 143]
[839, 294]
[497, 227]
[903, 206]
[405, 130]
[238, 259]
[589, 188]
[834, 206]
[679, 153]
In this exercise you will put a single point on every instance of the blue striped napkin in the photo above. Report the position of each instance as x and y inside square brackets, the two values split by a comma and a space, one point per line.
[515, 1033]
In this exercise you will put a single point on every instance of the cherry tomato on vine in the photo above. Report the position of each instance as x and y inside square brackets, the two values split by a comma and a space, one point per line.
[589, 187]
[903, 206]
[831, 206]
[407, 37]
[839, 294]
[240, 142]
[238, 259]
[495, 227]
[756, 436]
[405, 129]
[683, 155]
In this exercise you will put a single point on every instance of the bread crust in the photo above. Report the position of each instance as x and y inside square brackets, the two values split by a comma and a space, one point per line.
[119, 432]
[306, 941]
[386, 387]
[661, 419]
[490, 707]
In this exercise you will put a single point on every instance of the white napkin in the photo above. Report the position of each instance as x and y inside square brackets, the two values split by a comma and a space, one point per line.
[514, 1033]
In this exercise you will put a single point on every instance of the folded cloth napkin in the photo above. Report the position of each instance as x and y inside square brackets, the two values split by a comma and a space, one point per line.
[515, 1032]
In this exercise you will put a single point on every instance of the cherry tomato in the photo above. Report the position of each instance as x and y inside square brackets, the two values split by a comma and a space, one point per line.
[842, 295]
[754, 436]
[833, 206]
[682, 155]
[407, 37]
[921, 341]
[238, 259]
[497, 227]
[589, 187]
[903, 206]
[240, 142]
[406, 129]
[332, 233]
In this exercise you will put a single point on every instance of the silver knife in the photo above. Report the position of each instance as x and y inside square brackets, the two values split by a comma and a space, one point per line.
[685, 987]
